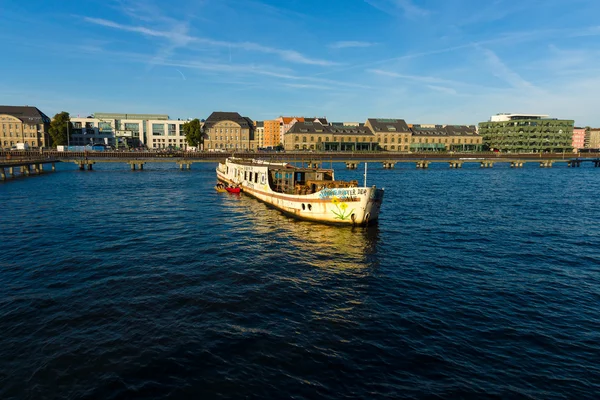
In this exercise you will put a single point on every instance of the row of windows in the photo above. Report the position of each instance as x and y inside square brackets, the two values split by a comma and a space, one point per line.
[229, 146]
[32, 143]
[220, 130]
[227, 137]
[319, 139]
[413, 140]
[459, 141]
[25, 126]
[16, 134]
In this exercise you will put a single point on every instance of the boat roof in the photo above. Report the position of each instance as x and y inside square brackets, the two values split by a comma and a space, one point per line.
[273, 165]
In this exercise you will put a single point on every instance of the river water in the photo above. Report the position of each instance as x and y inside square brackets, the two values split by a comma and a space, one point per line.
[476, 283]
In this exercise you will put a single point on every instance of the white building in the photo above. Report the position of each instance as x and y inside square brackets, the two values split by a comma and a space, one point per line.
[503, 117]
[154, 131]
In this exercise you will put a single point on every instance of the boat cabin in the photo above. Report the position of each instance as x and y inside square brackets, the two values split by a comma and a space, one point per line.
[304, 180]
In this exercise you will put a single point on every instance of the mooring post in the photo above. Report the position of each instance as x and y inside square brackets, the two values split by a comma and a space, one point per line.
[53, 167]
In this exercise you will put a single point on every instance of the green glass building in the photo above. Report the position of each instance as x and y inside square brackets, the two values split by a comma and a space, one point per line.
[527, 133]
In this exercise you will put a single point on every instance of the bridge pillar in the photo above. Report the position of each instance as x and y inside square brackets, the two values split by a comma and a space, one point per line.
[389, 164]
[36, 168]
[81, 166]
[422, 164]
[351, 165]
[27, 169]
[41, 167]
[596, 163]
[89, 166]
[132, 166]
[2, 175]
[11, 172]
[141, 165]
[455, 164]
[516, 164]
[546, 164]
[486, 164]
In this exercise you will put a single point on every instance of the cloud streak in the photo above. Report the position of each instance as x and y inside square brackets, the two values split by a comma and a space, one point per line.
[180, 38]
[350, 44]
[398, 7]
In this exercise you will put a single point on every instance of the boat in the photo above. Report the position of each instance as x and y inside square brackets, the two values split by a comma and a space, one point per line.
[305, 193]
[233, 189]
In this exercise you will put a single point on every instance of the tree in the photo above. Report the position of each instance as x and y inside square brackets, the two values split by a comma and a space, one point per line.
[193, 133]
[59, 127]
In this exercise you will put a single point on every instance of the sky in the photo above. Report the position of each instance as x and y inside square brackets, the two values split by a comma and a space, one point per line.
[425, 61]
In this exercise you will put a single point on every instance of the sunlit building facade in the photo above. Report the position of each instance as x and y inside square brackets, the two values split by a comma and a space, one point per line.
[229, 131]
[527, 133]
[23, 124]
[309, 135]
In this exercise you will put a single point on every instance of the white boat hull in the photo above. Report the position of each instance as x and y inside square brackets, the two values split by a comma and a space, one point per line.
[350, 206]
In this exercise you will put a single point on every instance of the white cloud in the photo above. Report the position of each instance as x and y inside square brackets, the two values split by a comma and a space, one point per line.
[394, 7]
[502, 71]
[350, 43]
[180, 38]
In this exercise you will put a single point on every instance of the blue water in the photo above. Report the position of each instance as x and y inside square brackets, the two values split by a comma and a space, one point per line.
[476, 283]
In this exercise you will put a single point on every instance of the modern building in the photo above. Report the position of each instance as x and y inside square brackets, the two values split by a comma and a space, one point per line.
[445, 138]
[313, 135]
[592, 138]
[155, 131]
[527, 133]
[391, 134]
[578, 142]
[23, 124]
[229, 131]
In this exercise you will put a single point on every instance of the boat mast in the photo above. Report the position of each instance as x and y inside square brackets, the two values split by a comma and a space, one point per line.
[365, 174]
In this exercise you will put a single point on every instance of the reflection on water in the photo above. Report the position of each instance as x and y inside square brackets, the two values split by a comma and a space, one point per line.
[319, 245]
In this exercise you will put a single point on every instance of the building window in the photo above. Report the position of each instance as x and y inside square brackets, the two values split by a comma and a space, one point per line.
[158, 129]
[304, 140]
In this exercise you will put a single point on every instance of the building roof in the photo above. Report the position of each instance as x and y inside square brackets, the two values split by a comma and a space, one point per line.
[509, 117]
[120, 116]
[27, 114]
[318, 128]
[448, 130]
[287, 120]
[218, 116]
[260, 124]
[388, 125]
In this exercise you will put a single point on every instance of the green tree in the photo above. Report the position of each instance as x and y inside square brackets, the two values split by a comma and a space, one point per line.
[194, 136]
[60, 126]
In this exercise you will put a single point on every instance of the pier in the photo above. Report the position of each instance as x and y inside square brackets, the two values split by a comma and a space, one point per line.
[25, 163]
[12, 167]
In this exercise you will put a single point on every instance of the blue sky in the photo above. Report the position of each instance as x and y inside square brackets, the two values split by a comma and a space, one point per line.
[426, 61]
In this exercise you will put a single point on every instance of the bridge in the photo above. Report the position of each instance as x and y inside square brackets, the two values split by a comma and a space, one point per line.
[31, 162]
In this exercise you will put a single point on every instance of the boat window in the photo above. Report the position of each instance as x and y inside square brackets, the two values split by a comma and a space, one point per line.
[309, 207]
[303, 207]
[256, 177]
